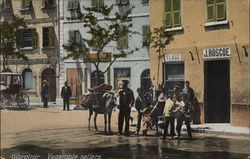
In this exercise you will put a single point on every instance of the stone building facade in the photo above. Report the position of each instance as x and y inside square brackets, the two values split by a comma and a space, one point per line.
[39, 42]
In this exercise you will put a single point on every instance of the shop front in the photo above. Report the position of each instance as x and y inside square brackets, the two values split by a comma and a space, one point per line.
[173, 71]
[217, 97]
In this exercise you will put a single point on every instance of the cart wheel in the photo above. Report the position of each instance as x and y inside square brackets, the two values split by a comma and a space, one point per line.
[3, 101]
[24, 100]
[6, 100]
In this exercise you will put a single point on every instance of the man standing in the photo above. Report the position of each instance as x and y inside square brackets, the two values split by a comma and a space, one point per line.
[126, 102]
[140, 104]
[44, 93]
[189, 92]
[66, 94]
[188, 98]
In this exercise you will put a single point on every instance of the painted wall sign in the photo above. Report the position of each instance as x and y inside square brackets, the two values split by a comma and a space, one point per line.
[173, 57]
[216, 53]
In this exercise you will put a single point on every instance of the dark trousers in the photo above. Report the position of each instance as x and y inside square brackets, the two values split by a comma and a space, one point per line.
[180, 122]
[139, 117]
[169, 121]
[124, 114]
[65, 103]
[45, 102]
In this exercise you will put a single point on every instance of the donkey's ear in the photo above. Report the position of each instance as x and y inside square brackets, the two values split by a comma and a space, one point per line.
[105, 95]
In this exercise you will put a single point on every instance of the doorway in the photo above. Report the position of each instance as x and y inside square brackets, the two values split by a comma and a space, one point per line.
[50, 76]
[217, 91]
[146, 80]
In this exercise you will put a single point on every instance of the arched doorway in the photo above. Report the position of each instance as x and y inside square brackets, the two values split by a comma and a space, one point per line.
[146, 80]
[94, 77]
[50, 76]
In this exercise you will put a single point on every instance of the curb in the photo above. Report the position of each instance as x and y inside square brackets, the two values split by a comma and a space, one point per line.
[203, 131]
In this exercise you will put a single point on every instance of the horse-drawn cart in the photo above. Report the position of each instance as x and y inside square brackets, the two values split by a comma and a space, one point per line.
[11, 91]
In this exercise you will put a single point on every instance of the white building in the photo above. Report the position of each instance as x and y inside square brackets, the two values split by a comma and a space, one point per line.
[135, 67]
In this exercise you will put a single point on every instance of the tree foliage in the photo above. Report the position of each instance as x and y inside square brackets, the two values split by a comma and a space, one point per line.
[104, 26]
[8, 32]
[160, 38]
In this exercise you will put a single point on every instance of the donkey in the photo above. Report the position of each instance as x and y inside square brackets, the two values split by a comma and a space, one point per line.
[105, 105]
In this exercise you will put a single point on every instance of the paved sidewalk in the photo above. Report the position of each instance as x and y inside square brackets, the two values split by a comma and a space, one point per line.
[220, 129]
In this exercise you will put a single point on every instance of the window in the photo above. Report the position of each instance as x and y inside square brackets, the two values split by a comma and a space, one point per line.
[75, 36]
[48, 37]
[174, 75]
[26, 38]
[216, 10]
[73, 4]
[172, 15]
[6, 4]
[48, 3]
[144, 1]
[27, 79]
[121, 74]
[122, 1]
[146, 80]
[98, 3]
[94, 79]
[122, 42]
[146, 35]
[26, 3]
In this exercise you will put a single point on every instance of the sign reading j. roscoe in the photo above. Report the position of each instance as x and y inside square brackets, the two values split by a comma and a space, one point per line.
[216, 53]
[173, 57]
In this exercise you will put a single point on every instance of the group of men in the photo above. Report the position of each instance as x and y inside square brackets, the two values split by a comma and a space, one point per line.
[177, 104]
[65, 94]
[171, 104]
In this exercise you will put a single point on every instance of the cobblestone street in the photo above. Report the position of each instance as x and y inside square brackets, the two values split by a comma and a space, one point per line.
[52, 133]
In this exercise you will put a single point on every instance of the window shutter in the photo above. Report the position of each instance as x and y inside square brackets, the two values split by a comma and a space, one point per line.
[176, 13]
[78, 37]
[70, 4]
[44, 4]
[119, 43]
[28, 3]
[71, 35]
[94, 3]
[220, 10]
[33, 38]
[75, 4]
[210, 10]
[7, 3]
[19, 40]
[125, 42]
[101, 3]
[146, 32]
[144, 1]
[51, 36]
[168, 13]
[23, 3]
[51, 3]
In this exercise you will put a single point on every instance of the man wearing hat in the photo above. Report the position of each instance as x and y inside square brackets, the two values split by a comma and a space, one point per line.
[126, 102]
[66, 94]
[44, 93]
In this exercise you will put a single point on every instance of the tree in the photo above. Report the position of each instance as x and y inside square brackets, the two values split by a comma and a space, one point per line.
[104, 27]
[8, 32]
[159, 39]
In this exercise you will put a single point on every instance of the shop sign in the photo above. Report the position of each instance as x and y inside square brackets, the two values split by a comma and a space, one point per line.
[216, 53]
[173, 57]
[103, 57]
